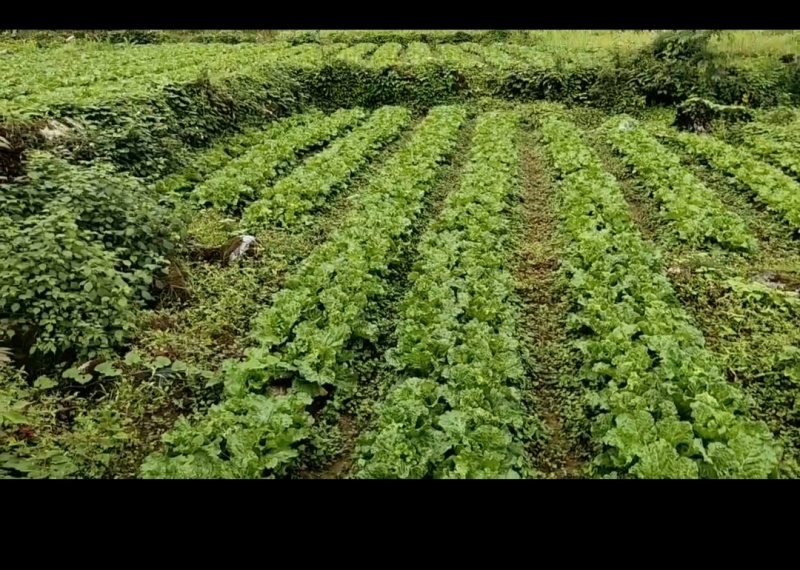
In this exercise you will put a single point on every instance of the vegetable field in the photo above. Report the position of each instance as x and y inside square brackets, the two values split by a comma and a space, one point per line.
[396, 254]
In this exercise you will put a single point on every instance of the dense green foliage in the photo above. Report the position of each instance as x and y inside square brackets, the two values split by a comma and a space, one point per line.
[697, 215]
[385, 36]
[455, 413]
[312, 184]
[244, 178]
[143, 85]
[207, 162]
[777, 144]
[105, 72]
[367, 254]
[666, 410]
[315, 324]
[772, 187]
[81, 246]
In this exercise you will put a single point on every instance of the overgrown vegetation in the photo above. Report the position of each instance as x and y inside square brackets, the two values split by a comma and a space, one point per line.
[81, 248]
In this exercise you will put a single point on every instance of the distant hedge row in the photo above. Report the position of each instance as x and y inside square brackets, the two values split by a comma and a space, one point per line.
[147, 135]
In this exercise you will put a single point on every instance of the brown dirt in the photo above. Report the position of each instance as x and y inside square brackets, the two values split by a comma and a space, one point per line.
[340, 465]
[638, 212]
[12, 146]
[554, 395]
[15, 139]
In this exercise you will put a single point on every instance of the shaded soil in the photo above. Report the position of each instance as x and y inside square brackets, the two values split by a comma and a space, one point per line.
[554, 393]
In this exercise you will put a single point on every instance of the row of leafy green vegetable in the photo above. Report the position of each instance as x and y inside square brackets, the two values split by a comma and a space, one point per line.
[356, 53]
[41, 88]
[456, 412]
[387, 54]
[778, 191]
[417, 53]
[314, 327]
[310, 185]
[245, 177]
[665, 410]
[777, 144]
[75, 77]
[695, 212]
[384, 36]
[212, 160]
[28, 73]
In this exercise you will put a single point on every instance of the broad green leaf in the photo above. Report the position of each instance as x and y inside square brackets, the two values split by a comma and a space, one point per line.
[44, 382]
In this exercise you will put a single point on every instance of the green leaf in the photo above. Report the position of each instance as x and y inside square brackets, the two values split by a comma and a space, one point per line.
[13, 417]
[44, 382]
[132, 358]
[107, 369]
[659, 460]
[215, 380]
[83, 378]
[161, 362]
[71, 373]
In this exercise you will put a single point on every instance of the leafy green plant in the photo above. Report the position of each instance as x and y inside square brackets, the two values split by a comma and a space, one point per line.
[493, 54]
[95, 73]
[417, 53]
[244, 177]
[207, 162]
[664, 408]
[310, 185]
[5, 356]
[697, 215]
[772, 187]
[59, 286]
[776, 144]
[248, 437]
[387, 54]
[460, 58]
[81, 248]
[356, 54]
[781, 154]
[384, 36]
[455, 413]
[315, 325]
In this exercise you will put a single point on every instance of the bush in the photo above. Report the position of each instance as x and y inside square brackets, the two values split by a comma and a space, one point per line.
[60, 287]
[696, 114]
[80, 246]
